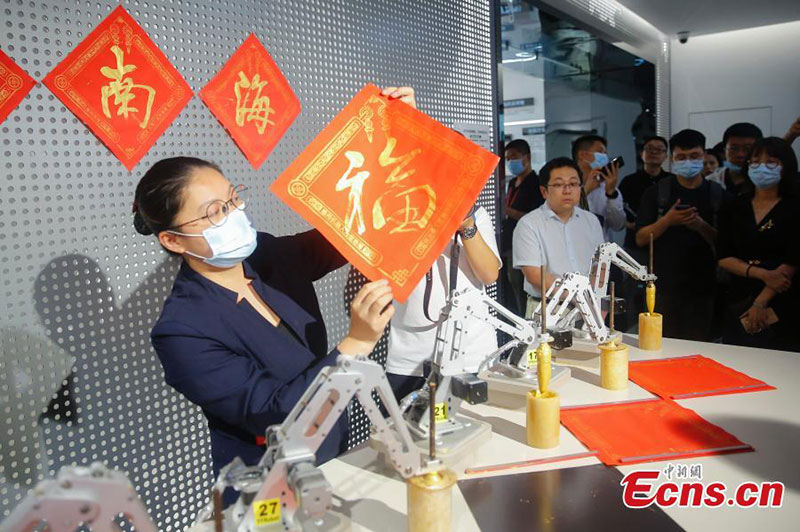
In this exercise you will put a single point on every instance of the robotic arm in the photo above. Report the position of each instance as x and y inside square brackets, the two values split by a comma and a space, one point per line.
[91, 498]
[610, 253]
[455, 382]
[448, 352]
[570, 295]
[286, 488]
[573, 294]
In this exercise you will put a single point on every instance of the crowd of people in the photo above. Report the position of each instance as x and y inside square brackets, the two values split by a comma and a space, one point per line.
[723, 221]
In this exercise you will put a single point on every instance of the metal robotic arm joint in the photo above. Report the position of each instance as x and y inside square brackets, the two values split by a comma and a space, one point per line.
[570, 295]
[610, 253]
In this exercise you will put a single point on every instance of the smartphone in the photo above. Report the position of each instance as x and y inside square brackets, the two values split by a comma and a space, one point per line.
[619, 161]
[682, 206]
[772, 319]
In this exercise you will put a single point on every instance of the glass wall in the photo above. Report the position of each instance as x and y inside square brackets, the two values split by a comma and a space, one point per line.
[560, 82]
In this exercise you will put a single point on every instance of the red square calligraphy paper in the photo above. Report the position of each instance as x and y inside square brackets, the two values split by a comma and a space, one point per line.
[15, 84]
[252, 100]
[387, 185]
[647, 431]
[692, 376]
[121, 86]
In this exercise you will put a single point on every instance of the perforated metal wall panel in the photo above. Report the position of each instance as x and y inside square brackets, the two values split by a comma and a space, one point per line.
[81, 289]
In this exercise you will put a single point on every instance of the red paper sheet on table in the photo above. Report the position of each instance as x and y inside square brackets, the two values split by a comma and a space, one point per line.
[387, 185]
[647, 431]
[121, 86]
[252, 100]
[15, 84]
[691, 376]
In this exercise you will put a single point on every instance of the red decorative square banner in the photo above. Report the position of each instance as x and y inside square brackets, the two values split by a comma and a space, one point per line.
[121, 86]
[252, 99]
[15, 84]
[387, 185]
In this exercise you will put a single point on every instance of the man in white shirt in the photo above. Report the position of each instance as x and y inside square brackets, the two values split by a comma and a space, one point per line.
[412, 334]
[599, 180]
[559, 234]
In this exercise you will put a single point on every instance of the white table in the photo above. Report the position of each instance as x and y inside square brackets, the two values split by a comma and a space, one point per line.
[768, 420]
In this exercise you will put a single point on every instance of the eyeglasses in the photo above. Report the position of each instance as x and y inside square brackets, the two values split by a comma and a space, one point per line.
[565, 186]
[772, 165]
[655, 151]
[218, 210]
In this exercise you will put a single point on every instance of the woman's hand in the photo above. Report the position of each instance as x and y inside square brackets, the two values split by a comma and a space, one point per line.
[776, 279]
[405, 94]
[370, 312]
[756, 319]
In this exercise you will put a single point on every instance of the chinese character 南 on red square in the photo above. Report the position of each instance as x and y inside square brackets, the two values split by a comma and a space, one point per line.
[121, 86]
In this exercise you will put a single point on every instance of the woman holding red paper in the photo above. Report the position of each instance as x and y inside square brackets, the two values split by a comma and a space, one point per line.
[241, 335]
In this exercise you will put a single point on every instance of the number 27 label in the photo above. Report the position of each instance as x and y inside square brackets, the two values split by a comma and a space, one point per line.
[267, 511]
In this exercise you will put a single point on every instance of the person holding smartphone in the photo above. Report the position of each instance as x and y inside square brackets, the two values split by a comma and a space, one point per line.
[681, 213]
[600, 176]
[758, 246]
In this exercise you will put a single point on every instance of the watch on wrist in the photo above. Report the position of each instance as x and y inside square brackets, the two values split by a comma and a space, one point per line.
[613, 195]
[469, 232]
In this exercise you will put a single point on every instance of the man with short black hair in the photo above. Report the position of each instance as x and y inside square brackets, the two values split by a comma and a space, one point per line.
[602, 197]
[522, 196]
[559, 234]
[737, 141]
[632, 187]
[681, 213]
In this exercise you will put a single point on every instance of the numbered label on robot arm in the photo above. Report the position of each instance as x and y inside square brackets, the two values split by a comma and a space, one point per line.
[267, 511]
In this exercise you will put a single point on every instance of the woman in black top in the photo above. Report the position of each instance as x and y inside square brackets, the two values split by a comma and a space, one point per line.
[758, 245]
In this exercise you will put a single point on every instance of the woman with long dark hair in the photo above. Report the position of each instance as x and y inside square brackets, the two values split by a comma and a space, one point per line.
[759, 246]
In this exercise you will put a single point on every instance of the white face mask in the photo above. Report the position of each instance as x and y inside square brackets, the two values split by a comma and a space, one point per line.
[230, 243]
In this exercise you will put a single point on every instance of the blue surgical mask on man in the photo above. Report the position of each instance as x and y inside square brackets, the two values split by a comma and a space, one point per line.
[230, 243]
[600, 160]
[514, 167]
[688, 168]
[733, 167]
[763, 176]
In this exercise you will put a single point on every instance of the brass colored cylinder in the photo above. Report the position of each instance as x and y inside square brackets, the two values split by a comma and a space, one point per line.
[430, 501]
[650, 331]
[544, 366]
[614, 366]
[650, 297]
[543, 419]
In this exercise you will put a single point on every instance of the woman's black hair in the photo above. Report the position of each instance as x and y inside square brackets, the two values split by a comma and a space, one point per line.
[715, 155]
[558, 162]
[159, 194]
[781, 150]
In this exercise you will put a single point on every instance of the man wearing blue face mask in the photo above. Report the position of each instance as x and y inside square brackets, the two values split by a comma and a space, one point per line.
[600, 193]
[681, 213]
[522, 196]
[737, 141]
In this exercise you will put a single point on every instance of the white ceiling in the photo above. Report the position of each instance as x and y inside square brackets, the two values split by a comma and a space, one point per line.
[712, 16]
